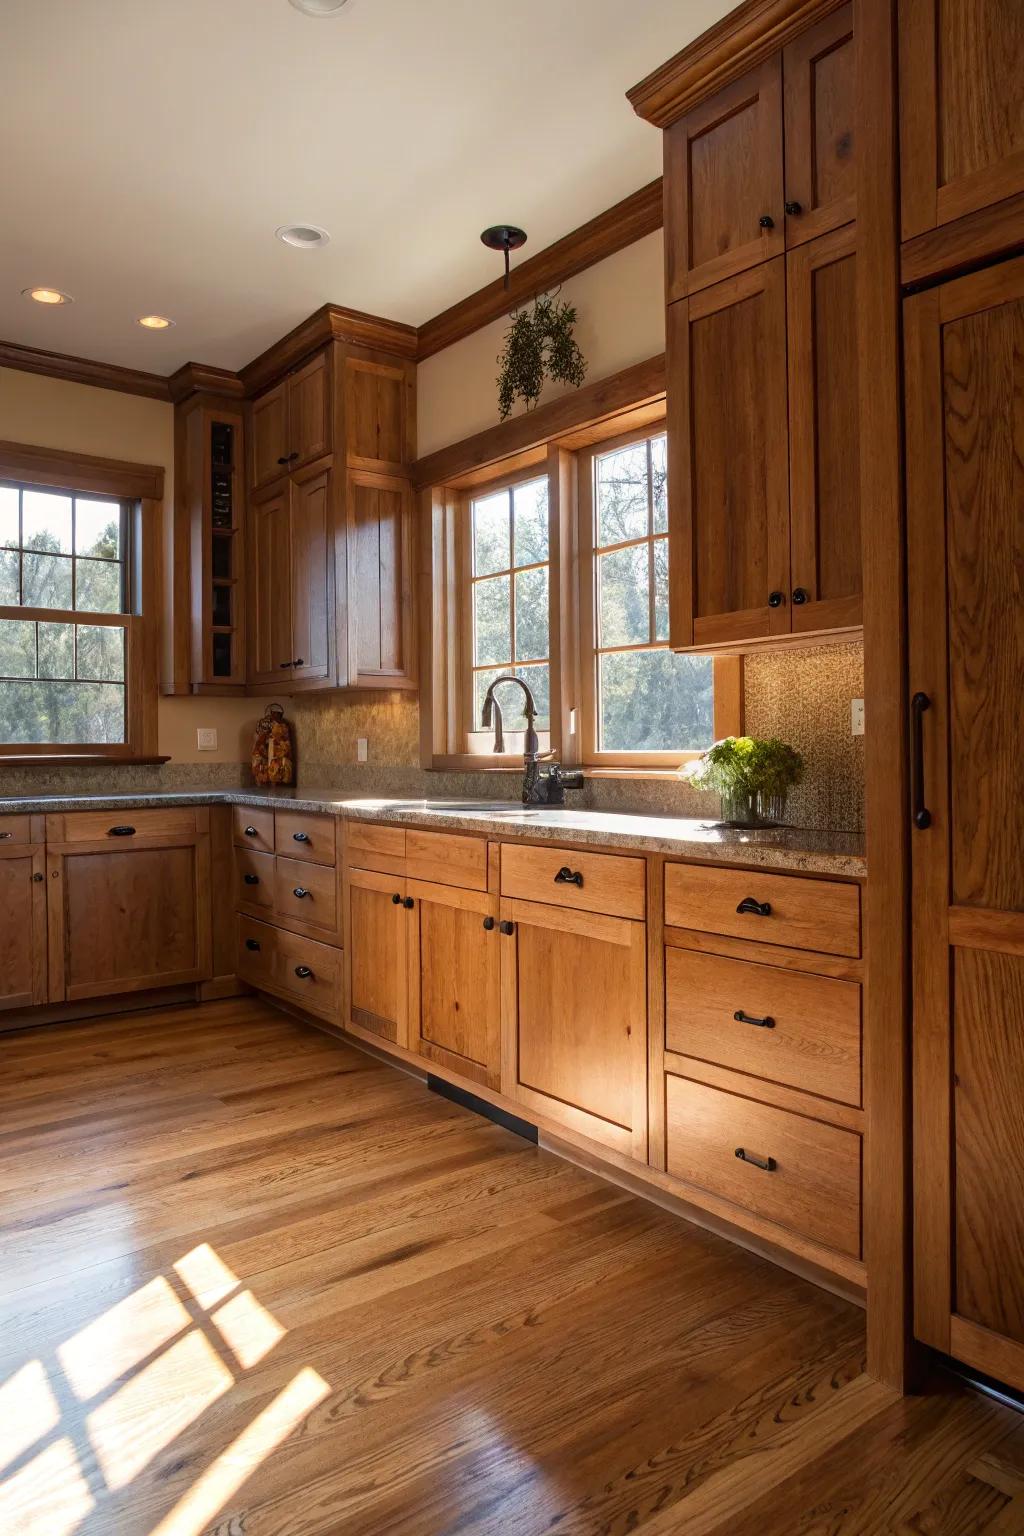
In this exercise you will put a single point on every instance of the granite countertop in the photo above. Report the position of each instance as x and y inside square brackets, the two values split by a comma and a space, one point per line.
[787, 848]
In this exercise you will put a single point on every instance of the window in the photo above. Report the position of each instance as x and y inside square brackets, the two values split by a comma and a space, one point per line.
[508, 575]
[77, 657]
[641, 702]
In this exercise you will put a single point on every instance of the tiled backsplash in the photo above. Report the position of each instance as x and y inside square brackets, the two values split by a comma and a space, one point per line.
[802, 696]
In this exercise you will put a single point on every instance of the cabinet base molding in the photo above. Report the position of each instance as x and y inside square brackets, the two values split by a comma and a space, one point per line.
[220, 986]
[988, 1352]
[472, 1101]
[101, 1007]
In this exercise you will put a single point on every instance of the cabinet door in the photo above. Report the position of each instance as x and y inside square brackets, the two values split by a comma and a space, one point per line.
[454, 980]
[378, 416]
[309, 421]
[574, 1021]
[125, 920]
[965, 514]
[268, 431]
[824, 440]
[961, 107]
[381, 634]
[377, 953]
[270, 590]
[820, 102]
[311, 581]
[728, 462]
[23, 929]
[723, 183]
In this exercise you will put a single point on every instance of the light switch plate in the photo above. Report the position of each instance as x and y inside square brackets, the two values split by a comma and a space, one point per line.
[206, 739]
[857, 717]
[361, 749]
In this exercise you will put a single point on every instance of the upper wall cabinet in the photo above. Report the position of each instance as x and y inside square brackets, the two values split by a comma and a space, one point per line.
[961, 108]
[765, 164]
[290, 424]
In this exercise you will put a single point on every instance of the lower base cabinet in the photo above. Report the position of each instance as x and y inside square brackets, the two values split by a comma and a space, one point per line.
[455, 980]
[295, 968]
[378, 953]
[23, 909]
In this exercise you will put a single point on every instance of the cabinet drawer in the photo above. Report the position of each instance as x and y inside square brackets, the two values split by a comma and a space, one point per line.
[299, 835]
[601, 882]
[14, 829]
[254, 878]
[125, 827]
[811, 1184]
[445, 858]
[254, 951]
[294, 967]
[774, 909]
[373, 847]
[783, 1025]
[306, 892]
[252, 829]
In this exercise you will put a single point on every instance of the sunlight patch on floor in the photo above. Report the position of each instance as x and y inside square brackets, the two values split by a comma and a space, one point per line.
[122, 1338]
[206, 1275]
[48, 1497]
[247, 1328]
[28, 1411]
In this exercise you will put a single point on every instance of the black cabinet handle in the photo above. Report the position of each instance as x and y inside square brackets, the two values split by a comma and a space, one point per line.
[567, 876]
[408, 903]
[123, 831]
[282, 460]
[252, 944]
[286, 663]
[776, 599]
[768, 1164]
[303, 972]
[396, 900]
[800, 595]
[299, 662]
[250, 831]
[922, 815]
[507, 928]
[488, 923]
[766, 221]
[5, 835]
[36, 877]
[755, 908]
[300, 837]
[748, 1018]
[794, 208]
[251, 879]
[300, 891]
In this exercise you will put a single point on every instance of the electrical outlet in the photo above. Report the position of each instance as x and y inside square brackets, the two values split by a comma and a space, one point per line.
[857, 717]
[361, 749]
[206, 739]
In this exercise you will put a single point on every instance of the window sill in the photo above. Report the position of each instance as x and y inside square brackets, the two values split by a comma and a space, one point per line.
[633, 773]
[74, 760]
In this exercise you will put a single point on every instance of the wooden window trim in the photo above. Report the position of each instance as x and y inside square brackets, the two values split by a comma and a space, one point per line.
[142, 486]
[727, 670]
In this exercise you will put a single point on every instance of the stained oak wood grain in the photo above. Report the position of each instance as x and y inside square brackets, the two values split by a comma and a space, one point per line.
[806, 914]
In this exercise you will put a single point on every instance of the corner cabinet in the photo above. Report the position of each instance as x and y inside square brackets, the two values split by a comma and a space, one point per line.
[23, 904]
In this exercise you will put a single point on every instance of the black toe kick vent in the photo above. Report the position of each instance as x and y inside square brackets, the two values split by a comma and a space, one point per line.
[501, 1117]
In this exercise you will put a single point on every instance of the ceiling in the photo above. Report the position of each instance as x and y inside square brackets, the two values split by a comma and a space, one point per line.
[152, 147]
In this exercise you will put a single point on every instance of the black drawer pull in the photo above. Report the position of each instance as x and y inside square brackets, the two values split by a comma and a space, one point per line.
[768, 1164]
[488, 923]
[396, 900]
[776, 599]
[251, 879]
[293, 455]
[754, 907]
[794, 209]
[124, 831]
[408, 903]
[507, 928]
[252, 944]
[286, 663]
[282, 460]
[300, 891]
[303, 972]
[800, 595]
[300, 837]
[298, 662]
[5, 835]
[766, 221]
[567, 876]
[251, 832]
[747, 1018]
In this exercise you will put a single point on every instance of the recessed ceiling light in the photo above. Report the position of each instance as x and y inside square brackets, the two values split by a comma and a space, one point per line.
[155, 322]
[47, 296]
[305, 236]
[319, 7]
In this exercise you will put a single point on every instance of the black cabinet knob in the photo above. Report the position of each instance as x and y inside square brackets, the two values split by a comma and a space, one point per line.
[303, 972]
[794, 208]
[776, 599]
[286, 663]
[801, 595]
[507, 928]
[488, 923]
[766, 221]
[293, 455]
[750, 905]
[300, 891]
[250, 831]
[299, 662]
[251, 879]
[38, 877]
[396, 900]
[251, 944]
[408, 903]
[282, 460]
[300, 837]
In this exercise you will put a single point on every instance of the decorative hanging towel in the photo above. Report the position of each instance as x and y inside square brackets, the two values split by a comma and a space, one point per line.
[273, 754]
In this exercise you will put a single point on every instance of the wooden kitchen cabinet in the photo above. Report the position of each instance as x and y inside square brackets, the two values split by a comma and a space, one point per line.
[964, 383]
[381, 638]
[128, 901]
[23, 904]
[290, 424]
[454, 979]
[289, 580]
[268, 434]
[377, 947]
[270, 608]
[574, 1021]
[961, 108]
[820, 137]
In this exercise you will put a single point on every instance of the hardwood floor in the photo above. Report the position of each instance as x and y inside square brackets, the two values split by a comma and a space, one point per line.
[256, 1283]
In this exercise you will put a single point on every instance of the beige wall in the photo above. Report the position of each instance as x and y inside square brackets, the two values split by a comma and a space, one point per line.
[52, 413]
[621, 304]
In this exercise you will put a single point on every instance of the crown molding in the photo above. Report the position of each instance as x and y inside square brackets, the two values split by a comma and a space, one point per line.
[623, 224]
[203, 379]
[733, 46]
[331, 322]
[83, 370]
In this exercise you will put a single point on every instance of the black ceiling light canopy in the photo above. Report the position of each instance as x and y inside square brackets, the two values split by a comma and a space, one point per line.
[504, 237]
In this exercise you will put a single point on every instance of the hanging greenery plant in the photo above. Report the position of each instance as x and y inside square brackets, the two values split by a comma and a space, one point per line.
[539, 342]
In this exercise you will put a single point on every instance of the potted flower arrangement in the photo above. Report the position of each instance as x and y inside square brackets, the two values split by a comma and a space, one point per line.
[753, 775]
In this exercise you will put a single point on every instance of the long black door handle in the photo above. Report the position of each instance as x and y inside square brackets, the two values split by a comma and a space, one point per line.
[766, 1164]
[921, 814]
[747, 1018]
